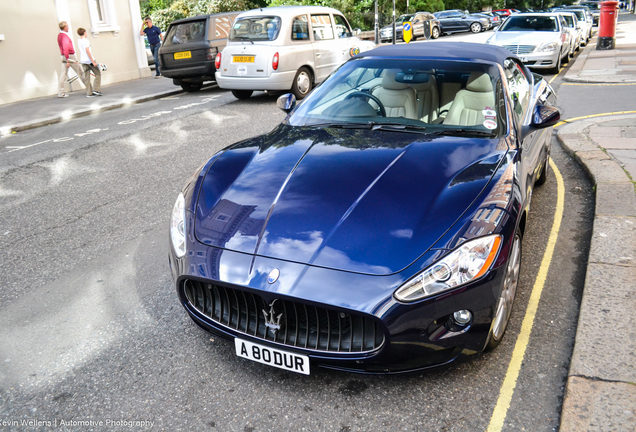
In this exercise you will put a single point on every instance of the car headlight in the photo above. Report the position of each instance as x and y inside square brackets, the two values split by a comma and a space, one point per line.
[468, 262]
[177, 227]
[553, 46]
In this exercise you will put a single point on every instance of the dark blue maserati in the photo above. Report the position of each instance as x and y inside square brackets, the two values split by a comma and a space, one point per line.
[378, 229]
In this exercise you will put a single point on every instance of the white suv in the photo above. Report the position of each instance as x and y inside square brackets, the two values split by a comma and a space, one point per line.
[285, 48]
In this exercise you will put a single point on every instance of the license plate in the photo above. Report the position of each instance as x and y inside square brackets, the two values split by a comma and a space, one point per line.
[272, 356]
[182, 55]
[243, 59]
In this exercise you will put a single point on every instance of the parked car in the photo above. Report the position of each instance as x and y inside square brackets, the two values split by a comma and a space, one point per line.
[419, 21]
[386, 32]
[574, 29]
[316, 244]
[495, 19]
[149, 56]
[190, 47]
[487, 17]
[285, 47]
[539, 39]
[506, 12]
[453, 21]
[585, 19]
[595, 9]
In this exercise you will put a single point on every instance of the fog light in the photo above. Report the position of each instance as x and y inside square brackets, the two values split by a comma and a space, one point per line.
[462, 317]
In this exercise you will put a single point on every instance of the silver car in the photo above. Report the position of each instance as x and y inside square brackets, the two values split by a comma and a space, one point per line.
[285, 48]
[540, 40]
[574, 29]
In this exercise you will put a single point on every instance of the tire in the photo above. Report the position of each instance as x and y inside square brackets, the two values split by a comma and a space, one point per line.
[242, 94]
[543, 175]
[507, 296]
[555, 69]
[435, 33]
[191, 87]
[302, 84]
[475, 27]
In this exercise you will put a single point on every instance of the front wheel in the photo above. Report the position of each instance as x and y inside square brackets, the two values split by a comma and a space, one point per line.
[507, 296]
[435, 33]
[242, 94]
[302, 83]
[475, 27]
[191, 87]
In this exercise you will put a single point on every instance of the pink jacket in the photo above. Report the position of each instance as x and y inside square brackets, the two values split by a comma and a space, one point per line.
[66, 45]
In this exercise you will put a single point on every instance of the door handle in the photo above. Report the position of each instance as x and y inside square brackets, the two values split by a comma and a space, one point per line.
[317, 54]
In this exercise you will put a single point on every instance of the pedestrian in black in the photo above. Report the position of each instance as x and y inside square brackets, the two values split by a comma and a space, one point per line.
[154, 39]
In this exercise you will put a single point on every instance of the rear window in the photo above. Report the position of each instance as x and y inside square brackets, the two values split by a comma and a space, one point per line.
[262, 28]
[185, 32]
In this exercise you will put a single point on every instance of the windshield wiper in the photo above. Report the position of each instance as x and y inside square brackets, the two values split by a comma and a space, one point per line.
[460, 132]
[393, 127]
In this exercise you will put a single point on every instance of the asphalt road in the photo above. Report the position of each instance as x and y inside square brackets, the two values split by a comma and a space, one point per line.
[91, 329]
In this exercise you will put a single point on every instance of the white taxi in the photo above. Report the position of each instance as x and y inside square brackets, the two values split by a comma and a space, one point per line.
[285, 48]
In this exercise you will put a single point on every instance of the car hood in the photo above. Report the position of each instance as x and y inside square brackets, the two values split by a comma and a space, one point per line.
[356, 200]
[524, 38]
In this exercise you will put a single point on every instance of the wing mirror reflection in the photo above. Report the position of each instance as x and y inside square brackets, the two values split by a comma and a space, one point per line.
[545, 116]
[286, 102]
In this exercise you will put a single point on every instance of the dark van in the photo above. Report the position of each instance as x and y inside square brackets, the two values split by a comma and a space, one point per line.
[190, 47]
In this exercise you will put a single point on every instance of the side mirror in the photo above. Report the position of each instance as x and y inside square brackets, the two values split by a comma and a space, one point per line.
[357, 31]
[286, 102]
[545, 116]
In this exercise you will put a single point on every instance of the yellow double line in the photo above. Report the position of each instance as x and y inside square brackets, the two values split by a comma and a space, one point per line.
[510, 380]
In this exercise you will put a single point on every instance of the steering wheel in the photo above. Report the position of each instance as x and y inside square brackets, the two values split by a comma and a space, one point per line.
[369, 96]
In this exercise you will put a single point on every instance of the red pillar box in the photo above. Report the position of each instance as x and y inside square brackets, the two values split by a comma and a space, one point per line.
[607, 26]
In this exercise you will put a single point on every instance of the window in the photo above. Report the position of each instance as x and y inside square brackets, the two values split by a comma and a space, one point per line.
[342, 28]
[185, 32]
[221, 27]
[321, 25]
[102, 15]
[519, 88]
[300, 28]
[261, 28]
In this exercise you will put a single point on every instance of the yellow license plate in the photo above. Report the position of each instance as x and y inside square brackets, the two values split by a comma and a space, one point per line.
[243, 59]
[182, 55]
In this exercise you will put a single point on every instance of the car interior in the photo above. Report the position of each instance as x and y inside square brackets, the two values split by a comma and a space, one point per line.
[448, 97]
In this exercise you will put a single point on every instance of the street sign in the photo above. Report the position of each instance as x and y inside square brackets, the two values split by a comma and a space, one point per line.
[407, 31]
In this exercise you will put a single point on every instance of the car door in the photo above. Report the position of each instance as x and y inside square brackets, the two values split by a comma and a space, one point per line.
[418, 25]
[326, 53]
[455, 21]
[344, 38]
[446, 21]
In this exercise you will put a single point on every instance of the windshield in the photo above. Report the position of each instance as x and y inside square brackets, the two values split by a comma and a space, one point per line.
[185, 32]
[579, 13]
[592, 6]
[262, 28]
[531, 23]
[403, 95]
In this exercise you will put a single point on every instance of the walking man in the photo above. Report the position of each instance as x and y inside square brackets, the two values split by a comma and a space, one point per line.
[89, 64]
[154, 39]
[68, 58]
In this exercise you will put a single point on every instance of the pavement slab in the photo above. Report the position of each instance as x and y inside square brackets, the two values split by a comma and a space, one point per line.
[616, 143]
[599, 406]
[614, 242]
[627, 159]
[615, 199]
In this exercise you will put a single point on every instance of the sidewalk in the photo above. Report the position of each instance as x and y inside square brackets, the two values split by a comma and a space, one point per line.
[47, 110]
[601, 385]
[609, 66]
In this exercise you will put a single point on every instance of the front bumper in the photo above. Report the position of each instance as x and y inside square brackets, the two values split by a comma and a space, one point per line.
[276, 81]
[411, 337]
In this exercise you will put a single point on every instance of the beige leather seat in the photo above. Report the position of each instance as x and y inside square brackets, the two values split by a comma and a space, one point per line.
[427, 97]
[398, 98]
[469, 104]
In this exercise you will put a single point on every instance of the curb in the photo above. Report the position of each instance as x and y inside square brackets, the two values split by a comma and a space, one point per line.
[601, 385]
[6, 130]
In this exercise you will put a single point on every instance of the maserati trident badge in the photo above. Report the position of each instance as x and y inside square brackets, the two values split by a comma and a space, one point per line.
[273, 276]
[272, 321]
